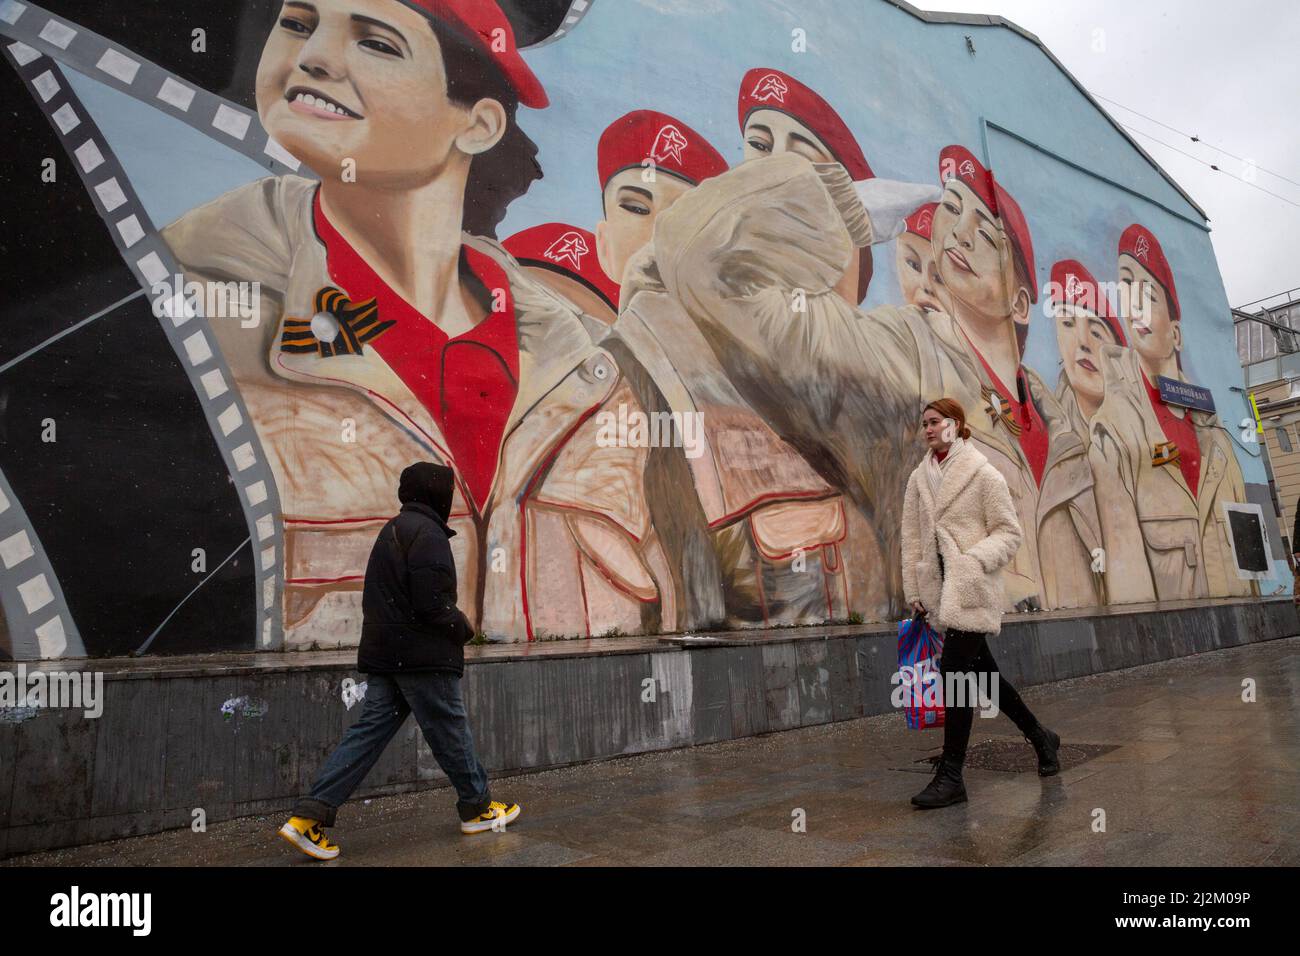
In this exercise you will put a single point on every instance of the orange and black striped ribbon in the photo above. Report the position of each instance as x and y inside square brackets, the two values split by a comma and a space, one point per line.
[359, 323]
[1000, 408]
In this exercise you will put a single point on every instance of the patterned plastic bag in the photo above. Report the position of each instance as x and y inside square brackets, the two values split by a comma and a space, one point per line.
[919, 649]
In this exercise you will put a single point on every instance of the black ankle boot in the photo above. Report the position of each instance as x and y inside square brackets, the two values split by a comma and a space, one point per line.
[1046, 745]
[945, 789]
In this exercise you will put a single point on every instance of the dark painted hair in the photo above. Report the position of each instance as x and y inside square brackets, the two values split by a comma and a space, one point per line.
[507, 170]
[951, 408]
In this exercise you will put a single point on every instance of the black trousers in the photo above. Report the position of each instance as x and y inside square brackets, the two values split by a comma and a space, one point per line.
[968, 653]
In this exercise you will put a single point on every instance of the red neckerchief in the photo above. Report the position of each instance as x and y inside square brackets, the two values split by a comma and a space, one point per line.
[1180, 431]
[467, 383]
[1033, 435]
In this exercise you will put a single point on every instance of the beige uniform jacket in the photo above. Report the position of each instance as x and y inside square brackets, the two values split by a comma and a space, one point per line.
[564, 546]
[1162, 542]
[1069, 403]
[752, 256]
[789, 549]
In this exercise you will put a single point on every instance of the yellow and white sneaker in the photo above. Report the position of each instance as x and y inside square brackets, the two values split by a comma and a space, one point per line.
[497, 816]
[308, 836]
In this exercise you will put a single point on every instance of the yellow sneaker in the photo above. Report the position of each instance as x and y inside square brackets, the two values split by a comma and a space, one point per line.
[308, 836]
[496, 817]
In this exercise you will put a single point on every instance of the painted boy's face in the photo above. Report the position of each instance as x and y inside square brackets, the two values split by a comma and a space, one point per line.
[1079, 336]
[919, 276]
[360, 80]
[1145, 307]
[631, 207]
[768, 132]
[973, 252]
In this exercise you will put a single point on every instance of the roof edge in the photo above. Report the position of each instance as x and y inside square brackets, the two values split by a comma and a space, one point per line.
[987, 20]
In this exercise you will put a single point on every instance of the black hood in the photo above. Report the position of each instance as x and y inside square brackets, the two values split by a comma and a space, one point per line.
[428, 484]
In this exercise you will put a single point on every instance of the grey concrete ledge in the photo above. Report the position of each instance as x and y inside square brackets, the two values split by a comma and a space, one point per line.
[163, 748]
[285, 662]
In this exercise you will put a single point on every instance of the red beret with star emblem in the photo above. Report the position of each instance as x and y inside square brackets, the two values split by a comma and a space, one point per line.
[1140, 243]
[958, 162]
[1074, 284]
[670, 144]
[483, 23]
[767, 89]
[567, 249]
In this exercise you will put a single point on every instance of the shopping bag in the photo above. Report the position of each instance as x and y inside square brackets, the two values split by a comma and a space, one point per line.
[919, 650]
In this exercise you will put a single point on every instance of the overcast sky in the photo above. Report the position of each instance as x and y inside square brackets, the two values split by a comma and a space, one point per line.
[1227, 71]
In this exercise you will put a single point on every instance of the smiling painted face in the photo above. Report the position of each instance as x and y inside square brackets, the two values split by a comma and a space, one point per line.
[1080, 334]
[918, 275]
[362, 80]
[973, 253]
[631, 207]
[1144, 306]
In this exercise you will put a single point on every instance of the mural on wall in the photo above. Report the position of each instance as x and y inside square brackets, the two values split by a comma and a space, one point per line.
[700, 412]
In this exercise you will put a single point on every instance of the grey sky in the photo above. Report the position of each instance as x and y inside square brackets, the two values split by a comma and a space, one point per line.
[1225, 71]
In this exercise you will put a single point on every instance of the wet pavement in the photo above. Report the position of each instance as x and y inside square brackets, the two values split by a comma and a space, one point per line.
[1165, 765]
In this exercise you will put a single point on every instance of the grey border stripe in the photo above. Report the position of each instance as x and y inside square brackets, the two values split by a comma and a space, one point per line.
[190, 335]
[26, 574]
[36, 349]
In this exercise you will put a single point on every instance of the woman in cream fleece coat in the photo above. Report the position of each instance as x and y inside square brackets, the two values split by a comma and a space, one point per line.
[959, 531]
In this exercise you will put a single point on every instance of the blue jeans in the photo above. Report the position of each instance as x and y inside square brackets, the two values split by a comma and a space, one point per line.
[435, 699]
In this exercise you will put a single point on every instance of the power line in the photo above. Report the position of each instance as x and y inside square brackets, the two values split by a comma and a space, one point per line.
[1197, 139]
[1217, 169]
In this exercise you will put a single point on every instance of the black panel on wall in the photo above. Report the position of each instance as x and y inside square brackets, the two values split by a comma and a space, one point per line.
[134, 481]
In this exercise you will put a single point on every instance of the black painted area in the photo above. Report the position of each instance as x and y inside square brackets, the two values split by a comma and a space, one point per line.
[132, 483]
[134, 480]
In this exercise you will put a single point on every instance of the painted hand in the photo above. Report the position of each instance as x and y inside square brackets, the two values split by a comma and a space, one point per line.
[889, 202]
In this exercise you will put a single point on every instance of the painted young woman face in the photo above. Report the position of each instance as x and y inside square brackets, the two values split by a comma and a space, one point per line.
[1080, 336]
[631, 207]
[361, 81]
[918, 275]
[972, 252]
[1145, 307]
[768, 132]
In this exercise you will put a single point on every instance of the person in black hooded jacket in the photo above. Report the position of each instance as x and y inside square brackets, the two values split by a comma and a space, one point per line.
[413, 640]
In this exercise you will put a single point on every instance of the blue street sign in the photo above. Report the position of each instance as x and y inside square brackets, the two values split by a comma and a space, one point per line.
[1185, 394]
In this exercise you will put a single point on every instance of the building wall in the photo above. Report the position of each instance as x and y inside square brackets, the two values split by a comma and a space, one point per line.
[213, 482]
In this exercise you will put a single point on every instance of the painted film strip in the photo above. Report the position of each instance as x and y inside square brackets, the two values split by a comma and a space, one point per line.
[577, 10]
[35, 613]
[233, 126]
[187, 330]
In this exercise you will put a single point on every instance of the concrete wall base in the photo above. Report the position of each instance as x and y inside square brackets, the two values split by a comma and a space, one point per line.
[163, 749]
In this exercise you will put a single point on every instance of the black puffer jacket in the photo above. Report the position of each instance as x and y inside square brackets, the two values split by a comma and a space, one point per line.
[411, 622]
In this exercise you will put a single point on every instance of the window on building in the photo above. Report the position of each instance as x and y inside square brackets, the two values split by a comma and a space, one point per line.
[1283, 440]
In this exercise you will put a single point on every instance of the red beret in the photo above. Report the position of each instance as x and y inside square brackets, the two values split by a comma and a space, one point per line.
[960, 163]
[672, 145]
[921, 222]
[565, 249]
[480, 21]
[1142, 245]
[764, 89]
[1072, 283]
